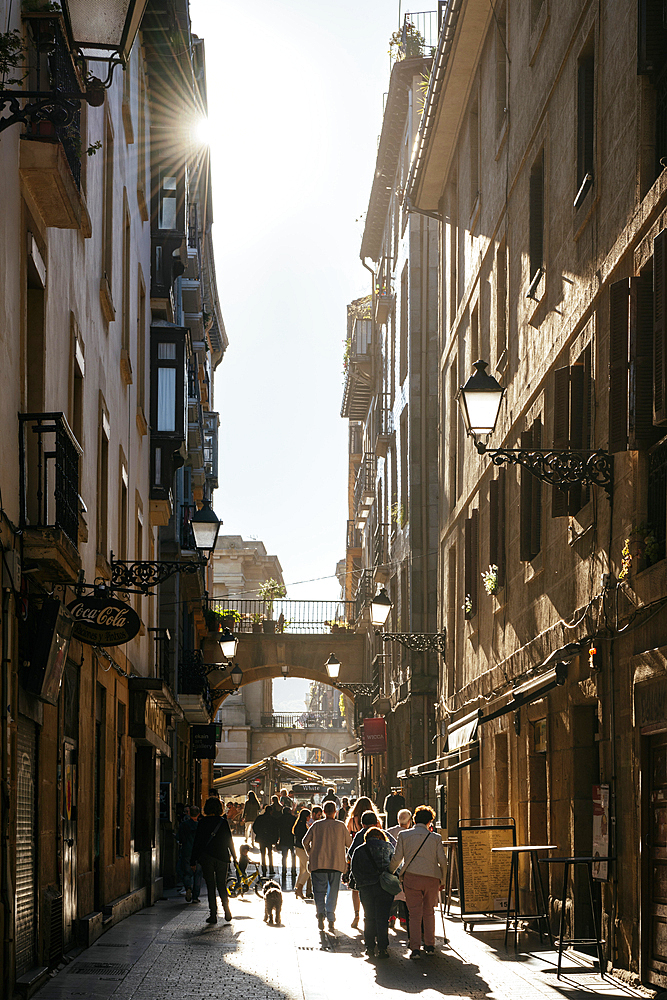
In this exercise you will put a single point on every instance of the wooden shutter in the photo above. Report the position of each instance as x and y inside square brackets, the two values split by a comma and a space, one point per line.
[497, 526]
[578, 427]
[536, 217]
[659, 328]
[526, 511]
[536, 498]
[559, 498]
[619, 332]
[641, 431]
[585, 118]
[651, 37]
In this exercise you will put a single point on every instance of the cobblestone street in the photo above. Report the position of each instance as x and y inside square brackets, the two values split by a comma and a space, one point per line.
[169, 952]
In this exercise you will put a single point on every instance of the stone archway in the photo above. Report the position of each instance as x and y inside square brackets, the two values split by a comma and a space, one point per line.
[273, 742]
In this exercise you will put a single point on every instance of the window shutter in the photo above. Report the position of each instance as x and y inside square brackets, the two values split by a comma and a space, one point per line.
[526, 511]
[536, 498]
[641, 431]
[585, 119]
[536, 217]
[619, 299]
[474, 546]
[559, 498]
[651, 37]
[659, 325]
[468, 568]
[578, 427]
[497, 526]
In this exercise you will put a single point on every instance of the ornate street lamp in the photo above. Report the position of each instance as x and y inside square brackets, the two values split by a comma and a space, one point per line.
[333, 666]
[284, 669]
[236, 676]
[96, 33]
[143, 574]
[420, 642]
[206, 528]
[228, 643]
[480, 399]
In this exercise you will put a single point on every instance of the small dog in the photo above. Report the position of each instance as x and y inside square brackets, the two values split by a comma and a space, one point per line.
[273, 903]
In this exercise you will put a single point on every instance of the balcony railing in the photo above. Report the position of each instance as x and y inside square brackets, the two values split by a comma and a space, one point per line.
[353, 536]
[381, 543]
[364, 487]
[289, 617]
[303, 720]
[365, 591]
[192, 676]
[419, 35]
[51, 70]
[49, 473]
[186, 534]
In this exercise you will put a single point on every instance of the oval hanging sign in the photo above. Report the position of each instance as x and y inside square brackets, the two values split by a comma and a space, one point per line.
[103, 621]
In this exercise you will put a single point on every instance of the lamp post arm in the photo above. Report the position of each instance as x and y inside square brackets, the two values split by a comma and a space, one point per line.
[420, 642]
[145, 574]
[558, 467]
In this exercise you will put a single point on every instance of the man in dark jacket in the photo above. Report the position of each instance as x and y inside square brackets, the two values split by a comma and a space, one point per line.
[267, 833]
[286, 843]
[212, 847]
[392, 804]
[186, 838]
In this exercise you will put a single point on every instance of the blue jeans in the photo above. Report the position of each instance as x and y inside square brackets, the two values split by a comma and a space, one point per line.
[192, 879]
[377, 906]
[326, 884]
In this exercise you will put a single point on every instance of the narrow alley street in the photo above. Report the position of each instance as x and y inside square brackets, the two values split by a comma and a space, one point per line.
[169, 952]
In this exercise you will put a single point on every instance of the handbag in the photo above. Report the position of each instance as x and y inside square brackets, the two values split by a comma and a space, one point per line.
[405, 867]
[388, 881]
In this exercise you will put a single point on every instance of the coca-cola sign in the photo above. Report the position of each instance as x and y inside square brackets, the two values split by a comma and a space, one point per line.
[103, 621]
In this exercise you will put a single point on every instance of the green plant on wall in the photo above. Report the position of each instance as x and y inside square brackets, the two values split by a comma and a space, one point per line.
[648, 549]
[397, 515]
[490, 579]
[11, 55]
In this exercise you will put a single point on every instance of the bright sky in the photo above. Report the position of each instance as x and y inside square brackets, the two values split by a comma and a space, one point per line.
[295, 91]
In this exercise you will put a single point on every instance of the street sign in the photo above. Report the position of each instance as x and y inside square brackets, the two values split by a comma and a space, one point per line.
[103, 621]
[203, 742]
[374, 737]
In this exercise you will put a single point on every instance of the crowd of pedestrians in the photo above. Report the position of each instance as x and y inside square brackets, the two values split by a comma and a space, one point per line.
[394, 873]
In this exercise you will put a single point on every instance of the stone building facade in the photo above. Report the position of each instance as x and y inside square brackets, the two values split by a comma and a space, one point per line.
[541, 153]
[94, 473]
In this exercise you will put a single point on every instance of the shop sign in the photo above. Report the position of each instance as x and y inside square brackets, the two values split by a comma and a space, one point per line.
[374, 738]
[203, 742]
[103, 621]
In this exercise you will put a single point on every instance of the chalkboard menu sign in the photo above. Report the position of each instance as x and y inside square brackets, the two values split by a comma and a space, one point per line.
[484, 876]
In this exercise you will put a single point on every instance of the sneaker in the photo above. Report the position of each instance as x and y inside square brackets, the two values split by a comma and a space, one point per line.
[415, 954]
[211, 920]
[370, 951]
[332, 928]
[228, 918]
[320, 922]
[383, 954]
[429, 949]
[195, 899]
[188, 895]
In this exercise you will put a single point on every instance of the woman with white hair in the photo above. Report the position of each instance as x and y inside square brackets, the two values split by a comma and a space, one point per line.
[400, 907]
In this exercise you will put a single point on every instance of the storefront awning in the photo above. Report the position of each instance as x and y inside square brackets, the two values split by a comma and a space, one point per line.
[281, 767]
[527, 692]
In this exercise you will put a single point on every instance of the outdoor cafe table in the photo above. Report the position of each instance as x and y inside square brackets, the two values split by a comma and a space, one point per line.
[562, 941]
[513, 913]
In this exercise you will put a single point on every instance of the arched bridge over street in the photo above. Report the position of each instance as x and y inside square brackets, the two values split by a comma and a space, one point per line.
[286, 731]
[310, 633]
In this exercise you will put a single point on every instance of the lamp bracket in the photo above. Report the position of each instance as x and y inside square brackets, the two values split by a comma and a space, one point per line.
[57, 108]
[561, 468]
[145, 574]
[420, 642]
[356, 688]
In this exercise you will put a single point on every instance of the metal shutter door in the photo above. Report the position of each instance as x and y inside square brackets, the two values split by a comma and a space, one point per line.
[26, 864]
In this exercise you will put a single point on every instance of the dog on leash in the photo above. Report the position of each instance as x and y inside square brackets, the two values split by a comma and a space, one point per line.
[273, 903]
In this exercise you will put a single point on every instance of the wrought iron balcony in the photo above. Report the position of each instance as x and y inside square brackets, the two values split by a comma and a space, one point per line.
[365, 592]
[364, 487]
[303, 720]
[49, 459]
[358, 371]
[192, 679]
[419, 35]
[353, 537]
[290, 617]
[383, 423]
[381, 544]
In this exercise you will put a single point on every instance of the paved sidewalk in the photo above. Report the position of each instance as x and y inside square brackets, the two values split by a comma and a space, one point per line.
[168, 952]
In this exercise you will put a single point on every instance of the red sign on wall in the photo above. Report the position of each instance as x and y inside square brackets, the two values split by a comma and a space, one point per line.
[374, 738]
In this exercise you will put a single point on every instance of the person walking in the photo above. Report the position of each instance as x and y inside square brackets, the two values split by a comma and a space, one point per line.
[186, 838]
[369, 860]
[286, 841]
[212, 847]
[399, 909]
[394, 801]
[299, 831]
[267, 833]
[325, 843]
[250, 813]
[354, 825]
[422, 856]
[344, 810]
[331, 797]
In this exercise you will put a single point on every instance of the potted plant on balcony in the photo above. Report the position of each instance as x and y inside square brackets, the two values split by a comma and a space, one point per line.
[269, 591]
[213, 619]
[383, 303]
